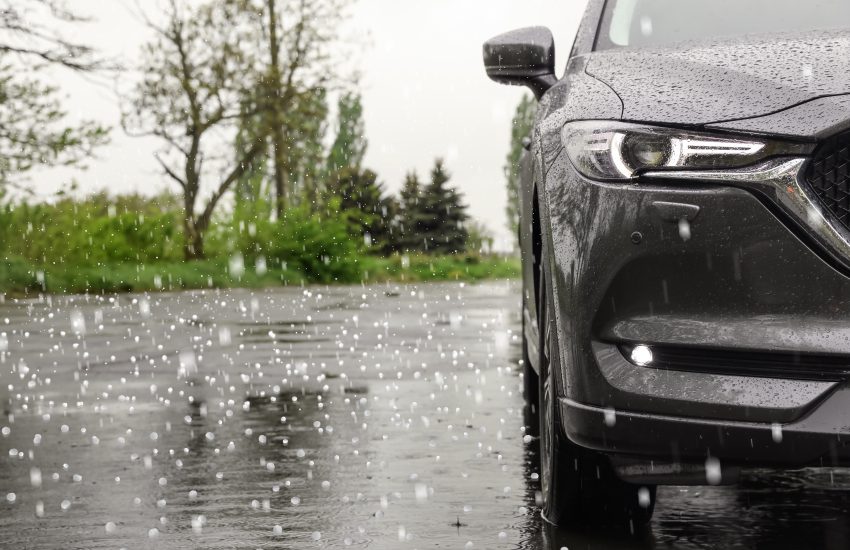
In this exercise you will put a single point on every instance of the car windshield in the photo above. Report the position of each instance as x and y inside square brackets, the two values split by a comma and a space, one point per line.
[647, 23]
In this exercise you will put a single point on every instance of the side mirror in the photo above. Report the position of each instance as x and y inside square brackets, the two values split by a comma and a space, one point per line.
[524, 57]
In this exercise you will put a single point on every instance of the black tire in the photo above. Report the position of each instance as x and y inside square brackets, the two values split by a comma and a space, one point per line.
[530, 380]
[579, 486]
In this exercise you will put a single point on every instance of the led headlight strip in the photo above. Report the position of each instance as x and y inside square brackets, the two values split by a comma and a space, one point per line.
[614, 151]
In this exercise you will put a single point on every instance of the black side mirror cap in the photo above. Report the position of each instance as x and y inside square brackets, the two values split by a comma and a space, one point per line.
[524, 57]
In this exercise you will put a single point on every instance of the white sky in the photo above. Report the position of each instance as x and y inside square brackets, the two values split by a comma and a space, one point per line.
[424, 91]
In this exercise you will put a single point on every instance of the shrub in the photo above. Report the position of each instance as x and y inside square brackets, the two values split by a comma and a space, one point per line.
[320, 248]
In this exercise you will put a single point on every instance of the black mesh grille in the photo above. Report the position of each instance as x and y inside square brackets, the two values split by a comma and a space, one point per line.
[767, 364]
[828, 175]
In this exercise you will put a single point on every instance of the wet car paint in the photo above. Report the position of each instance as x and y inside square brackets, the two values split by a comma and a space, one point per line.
[697, 83]
[404, 427]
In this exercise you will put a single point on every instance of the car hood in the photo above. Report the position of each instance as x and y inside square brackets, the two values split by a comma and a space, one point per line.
[713, 82]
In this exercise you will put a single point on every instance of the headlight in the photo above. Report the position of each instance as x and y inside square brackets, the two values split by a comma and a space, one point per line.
[613, 151]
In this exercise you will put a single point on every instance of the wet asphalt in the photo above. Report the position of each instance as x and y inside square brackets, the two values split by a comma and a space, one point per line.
[367, 417]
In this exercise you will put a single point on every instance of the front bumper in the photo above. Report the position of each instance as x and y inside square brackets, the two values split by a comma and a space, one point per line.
[820, 438]
[736, 276]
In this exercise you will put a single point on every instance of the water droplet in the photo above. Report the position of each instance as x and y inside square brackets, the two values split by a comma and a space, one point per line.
[35, 477]
[684, 229]
[713, 473]
[236, 266]
[643, 497]
[776, 432]
[610, 417]
[78, 323]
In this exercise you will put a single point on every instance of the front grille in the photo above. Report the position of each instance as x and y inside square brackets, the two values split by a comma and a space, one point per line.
[764, 364]
[828, 174]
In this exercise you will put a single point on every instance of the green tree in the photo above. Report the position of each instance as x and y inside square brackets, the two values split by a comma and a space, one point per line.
[291, 40]
[480, 239]
[521, 126]
[349, 146]
[195, 78]
[33, 130]
[410, 214]
[33, 126]
[441, 224]
[361, 199]
[306, 150]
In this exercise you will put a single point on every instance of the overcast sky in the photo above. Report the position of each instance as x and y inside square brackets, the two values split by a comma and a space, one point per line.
[424, 92]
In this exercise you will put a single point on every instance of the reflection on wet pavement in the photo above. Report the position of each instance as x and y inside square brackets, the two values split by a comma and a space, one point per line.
[370, 417]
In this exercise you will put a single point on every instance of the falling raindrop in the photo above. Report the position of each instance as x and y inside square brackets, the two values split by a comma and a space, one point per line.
[35, 477]
[78, 322]
[610, 417]
[261, 267]
[644, 499]
[144, 308]
[713, 474]
[198, 523]
[421, 492]
[236, 266]
[776, 432]
[188, 365]
[684, 229]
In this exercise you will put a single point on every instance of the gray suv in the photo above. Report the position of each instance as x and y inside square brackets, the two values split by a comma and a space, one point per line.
[685, 235]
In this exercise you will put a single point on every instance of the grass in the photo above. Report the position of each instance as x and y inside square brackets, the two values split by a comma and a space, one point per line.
[440, 268]
[18, 277]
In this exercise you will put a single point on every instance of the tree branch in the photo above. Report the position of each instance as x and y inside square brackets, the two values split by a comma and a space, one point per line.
[170, 172]
[235, 174]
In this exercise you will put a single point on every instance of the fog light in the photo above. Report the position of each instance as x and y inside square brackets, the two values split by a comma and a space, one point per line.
[641, 355]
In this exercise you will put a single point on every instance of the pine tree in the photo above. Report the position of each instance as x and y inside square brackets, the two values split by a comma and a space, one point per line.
[367, 210]
[521, 126]
[441, 226]
[408, 239]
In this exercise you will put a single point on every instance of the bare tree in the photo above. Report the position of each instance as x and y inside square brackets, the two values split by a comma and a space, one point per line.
[28, 28]
[196, 78]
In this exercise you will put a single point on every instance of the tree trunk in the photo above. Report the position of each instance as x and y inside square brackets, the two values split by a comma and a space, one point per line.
[279, 159]
[280, 176]
[310, 193]
[193, 246]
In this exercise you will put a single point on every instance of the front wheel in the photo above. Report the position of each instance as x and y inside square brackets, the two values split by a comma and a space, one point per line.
[578, 485]
[530, 380]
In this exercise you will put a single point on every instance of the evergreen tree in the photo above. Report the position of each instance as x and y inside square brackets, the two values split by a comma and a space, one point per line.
[408, 239]
[367, 210]
[521, 126]
[441, 225]
[350, 144]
